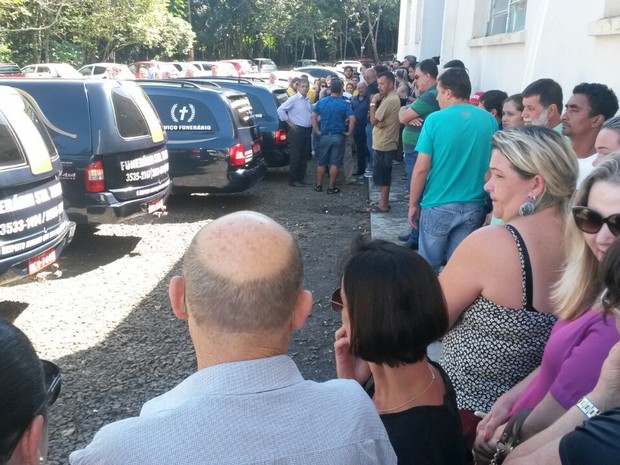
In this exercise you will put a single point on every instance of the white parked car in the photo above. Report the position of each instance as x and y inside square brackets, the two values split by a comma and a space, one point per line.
[222, 68]
[356, 65]
[265, 65]
[186, 69]
[106, 71]
[320, 72]
[47, 70]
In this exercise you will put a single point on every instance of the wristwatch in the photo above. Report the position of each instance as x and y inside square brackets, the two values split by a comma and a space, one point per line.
[588, 408]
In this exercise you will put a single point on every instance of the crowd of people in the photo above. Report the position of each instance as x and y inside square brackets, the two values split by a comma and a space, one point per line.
[527, 307]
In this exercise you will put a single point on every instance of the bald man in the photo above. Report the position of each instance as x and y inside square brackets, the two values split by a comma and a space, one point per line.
[248, 402]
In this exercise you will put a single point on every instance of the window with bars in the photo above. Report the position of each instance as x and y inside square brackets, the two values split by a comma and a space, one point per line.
[506, 16]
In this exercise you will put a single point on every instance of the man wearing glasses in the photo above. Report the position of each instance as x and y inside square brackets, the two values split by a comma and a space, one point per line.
[248, 402]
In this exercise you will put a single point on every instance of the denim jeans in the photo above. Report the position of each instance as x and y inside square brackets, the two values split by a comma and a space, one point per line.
[443, 228]
[371, 152]
[410, 158]
[331, 150]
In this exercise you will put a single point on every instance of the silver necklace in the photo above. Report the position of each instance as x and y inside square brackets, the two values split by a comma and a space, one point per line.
[414, 397]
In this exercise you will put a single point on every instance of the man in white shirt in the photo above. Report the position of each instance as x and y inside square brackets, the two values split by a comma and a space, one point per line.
[296, 111]
[242, 295]
[586, 111]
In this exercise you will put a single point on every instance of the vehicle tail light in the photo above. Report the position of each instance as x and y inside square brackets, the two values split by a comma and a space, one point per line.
[195, 153]
[94, 176]
[237, 155]
[281, 137]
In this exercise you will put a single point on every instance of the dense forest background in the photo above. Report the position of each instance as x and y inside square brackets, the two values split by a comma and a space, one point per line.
[86, 31]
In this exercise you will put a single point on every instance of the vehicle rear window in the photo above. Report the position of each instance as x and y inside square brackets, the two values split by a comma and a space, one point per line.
[9, 70]
[9, 152]
[242, 109]
[257, 107]
[129, 119]
[25, 123]
[135, 116]
[281, 96]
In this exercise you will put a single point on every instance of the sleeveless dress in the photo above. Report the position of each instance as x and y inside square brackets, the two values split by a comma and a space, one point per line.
[491, 348]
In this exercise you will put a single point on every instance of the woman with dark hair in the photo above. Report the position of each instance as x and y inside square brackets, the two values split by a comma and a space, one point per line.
[511, 112]
[27, 387]
[392, 308]
[454, 64]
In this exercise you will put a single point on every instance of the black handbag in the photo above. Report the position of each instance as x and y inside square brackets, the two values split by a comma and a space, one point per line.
[510, 438]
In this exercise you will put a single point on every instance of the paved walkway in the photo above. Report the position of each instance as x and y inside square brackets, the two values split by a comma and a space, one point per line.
[389, 226]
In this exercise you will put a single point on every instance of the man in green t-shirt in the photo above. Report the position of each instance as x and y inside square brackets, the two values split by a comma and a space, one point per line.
[412, 116]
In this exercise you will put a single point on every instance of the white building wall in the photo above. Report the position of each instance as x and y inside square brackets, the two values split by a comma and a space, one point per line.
[561, 41]
[420, 28]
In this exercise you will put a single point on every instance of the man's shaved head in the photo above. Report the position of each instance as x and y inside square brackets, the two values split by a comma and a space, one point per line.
[242, 274]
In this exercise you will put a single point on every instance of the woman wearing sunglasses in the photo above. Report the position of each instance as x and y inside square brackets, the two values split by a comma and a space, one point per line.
[497, 283]
[27, 387]
[582, 338]
[392, 307]
[589, 432]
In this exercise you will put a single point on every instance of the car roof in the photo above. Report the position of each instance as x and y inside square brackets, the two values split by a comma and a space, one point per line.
[103, 64]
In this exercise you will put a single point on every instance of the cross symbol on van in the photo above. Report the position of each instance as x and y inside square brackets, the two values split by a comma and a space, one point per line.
[182, 112]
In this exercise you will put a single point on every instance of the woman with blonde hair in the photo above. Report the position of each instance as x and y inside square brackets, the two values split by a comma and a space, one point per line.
[582, 338]
[497, 283]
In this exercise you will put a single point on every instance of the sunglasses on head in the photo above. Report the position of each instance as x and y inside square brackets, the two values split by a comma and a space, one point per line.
[590, 221]
[52, 391]
[336, 301]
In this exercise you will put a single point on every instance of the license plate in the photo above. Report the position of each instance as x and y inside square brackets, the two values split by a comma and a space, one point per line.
[256, 148]
[36, 264]
[155, 205]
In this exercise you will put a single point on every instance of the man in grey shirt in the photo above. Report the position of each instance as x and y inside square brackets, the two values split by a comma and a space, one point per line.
[248, 402]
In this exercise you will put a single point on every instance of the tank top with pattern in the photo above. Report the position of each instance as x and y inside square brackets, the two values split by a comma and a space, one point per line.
[491, 348]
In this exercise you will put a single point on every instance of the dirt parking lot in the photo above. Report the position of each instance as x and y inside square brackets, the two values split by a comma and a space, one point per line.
[107, 321]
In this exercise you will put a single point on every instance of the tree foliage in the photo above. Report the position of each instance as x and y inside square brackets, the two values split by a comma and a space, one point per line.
[125, 30]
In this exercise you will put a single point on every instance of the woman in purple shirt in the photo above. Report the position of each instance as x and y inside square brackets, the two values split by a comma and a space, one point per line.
[582, 338]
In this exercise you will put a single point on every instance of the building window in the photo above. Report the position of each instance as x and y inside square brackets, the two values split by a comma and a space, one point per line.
[506, 16]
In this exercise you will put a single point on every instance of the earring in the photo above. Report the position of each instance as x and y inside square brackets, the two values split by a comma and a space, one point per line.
[528, 207]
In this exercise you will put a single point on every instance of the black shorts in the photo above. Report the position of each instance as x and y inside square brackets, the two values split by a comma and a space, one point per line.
[382, 171]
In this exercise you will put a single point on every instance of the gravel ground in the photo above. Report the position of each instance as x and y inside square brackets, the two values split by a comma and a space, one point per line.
[106, 321]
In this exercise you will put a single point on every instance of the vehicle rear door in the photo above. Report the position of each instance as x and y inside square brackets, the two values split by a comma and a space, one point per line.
[139, 167]
[248, 129]
[31, 204]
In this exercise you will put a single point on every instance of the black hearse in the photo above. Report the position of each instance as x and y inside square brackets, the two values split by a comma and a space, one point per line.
[214, 141]
[34, 227]
[111, 144]
[265, 99]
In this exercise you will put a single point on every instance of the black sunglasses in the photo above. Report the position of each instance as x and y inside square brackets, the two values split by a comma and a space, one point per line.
[52, 391]
[336, 301]
[590, 221]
